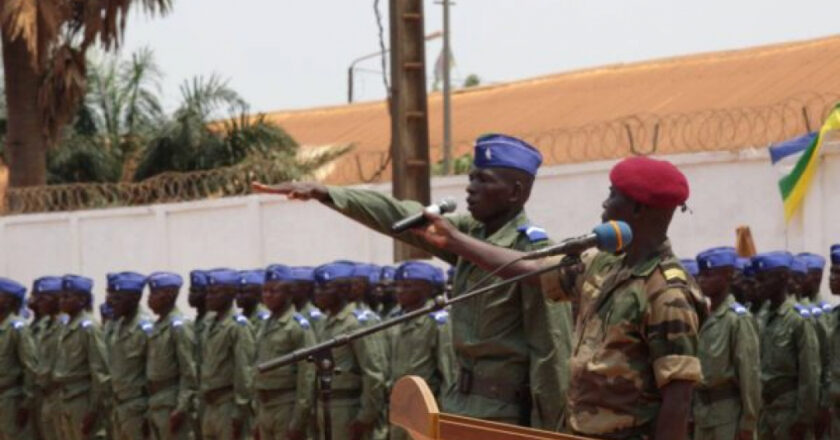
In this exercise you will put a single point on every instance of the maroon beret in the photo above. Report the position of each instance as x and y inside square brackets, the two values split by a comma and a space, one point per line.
[656, 183]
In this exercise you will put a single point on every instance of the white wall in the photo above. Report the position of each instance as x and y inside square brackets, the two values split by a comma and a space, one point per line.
[727, 190]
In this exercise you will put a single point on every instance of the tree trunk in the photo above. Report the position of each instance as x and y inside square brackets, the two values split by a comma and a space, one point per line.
[26, 146]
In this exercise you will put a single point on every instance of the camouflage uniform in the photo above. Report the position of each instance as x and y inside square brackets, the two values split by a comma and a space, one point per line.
[790, 371]
[729, 397]
[45, 334]
[637, 330]
[81, 373]
[511, 346]
[17, 370]
[171, 373]
[227, 375]
[285, 395]
[127, 350]
[358, 392]
[423, 347]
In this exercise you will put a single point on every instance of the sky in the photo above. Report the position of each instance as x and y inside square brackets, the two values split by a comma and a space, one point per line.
[280, 54]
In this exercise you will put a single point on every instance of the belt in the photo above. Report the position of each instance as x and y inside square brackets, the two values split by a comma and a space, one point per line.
[266, 396]
[213, 396]
[159, 385]
[774, 390]
[712, 395]
[492, 389]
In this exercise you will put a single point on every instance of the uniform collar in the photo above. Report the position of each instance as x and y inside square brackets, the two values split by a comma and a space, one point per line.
[8, 321]
[346, 311]
[286, 315]
[645, 267]
[785, 307]
[508, 233]
[74, 323]
[724, 306]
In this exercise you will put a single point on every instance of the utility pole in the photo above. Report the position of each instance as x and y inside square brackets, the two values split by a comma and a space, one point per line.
[411, 173]
[447, 93]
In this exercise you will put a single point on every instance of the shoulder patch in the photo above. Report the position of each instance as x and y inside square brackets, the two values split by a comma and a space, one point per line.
[240, 319]
[440, 316]
[533, 233]
[315, 314]
[86, 323]
[63, 319]
[816, 311]
[17, 325]
[802, 310]
[825, 306]
[301, 320]
[675, 274]
[177, 322]
[360, 315]
[738, 308]
[146, 326]
[263, 315]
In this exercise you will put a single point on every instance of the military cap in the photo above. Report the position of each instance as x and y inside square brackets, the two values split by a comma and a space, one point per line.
[717, 257]
[772, 260]
[418, 270]
[252, 277]
[224, 277]
[303, 273]
[77, 283]
[386, 273]
[812, 261]
[690, 266]
[47, 284]
[12, 287]
[278, 272]
[835, 254]
[162, 280]
[369, 271]
[798, 266]
[742, 264]
[198, 279]
[503, 151]
[126, 282]
[652, 182]
[333, 271]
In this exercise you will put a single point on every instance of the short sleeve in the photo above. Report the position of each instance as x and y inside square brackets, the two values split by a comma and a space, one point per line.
[671, 327]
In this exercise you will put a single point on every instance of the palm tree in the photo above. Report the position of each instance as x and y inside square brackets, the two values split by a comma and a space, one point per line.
[45, 43]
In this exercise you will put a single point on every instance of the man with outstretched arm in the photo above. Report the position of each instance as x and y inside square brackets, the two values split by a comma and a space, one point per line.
[635, 361]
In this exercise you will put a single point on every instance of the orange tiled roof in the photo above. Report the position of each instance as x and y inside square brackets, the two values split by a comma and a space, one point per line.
[745, 78]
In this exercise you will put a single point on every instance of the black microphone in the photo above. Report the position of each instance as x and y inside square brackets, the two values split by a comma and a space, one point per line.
[612, 236]
[442, 207]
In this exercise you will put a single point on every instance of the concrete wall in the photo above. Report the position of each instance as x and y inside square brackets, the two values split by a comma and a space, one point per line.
[727, 190]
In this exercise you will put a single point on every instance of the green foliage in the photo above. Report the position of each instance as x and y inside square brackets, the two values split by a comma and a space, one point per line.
[472, 80]
[460, 165]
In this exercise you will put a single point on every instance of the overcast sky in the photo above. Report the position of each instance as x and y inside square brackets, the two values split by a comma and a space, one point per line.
[282, 54]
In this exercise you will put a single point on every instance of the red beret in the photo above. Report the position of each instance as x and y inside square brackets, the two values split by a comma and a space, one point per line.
[656, 183]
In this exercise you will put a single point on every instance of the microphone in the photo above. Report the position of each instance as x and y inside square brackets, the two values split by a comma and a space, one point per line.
[612, 236]
[442, 207]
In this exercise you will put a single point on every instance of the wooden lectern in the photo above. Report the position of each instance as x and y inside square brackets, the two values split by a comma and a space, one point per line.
[413, 408]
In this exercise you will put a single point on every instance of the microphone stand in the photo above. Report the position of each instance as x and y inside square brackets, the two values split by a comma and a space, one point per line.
[321, 353]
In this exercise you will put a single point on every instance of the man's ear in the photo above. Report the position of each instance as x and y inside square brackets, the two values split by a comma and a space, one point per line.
[517, 192]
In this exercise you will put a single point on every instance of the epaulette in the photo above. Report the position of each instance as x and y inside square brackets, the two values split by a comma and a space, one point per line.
[17, 325]
[533, 233]
[440, 316]
[301, 320]
[146, 326]
[177, 321]
[63, 319]
[674, 274]
[240, 319]
[803, 311]
[86, 323]
[816, 311]
[315, 315]
[263, 315]
[361, 315]
[738, 308]
[825, 306]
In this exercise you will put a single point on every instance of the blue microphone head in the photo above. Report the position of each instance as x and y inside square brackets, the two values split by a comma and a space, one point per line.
[613, 236]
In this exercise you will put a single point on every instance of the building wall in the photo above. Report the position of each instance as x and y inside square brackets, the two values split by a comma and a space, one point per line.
[727, 190]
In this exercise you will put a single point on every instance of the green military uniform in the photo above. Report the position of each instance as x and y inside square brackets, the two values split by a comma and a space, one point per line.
[46, 332]
[423, 347]
[227, 375]
[171, 374]
[728, 399]
[822, 332]
[108, 421]
[17, 370]
[358, 391]
[258, 317]
[636, 331]
[197, 415]
[790, 371]
[81, 373]
[314, 316]
[511, 346]
[834, 373]
[127, 350]
[285, 395]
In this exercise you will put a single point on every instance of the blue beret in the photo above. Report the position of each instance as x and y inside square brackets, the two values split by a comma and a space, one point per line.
[742, 264]
[418, 270]
[162, 280]
[502, 151]
[798, 266]
[252, 277]
[303, 273]
[223, 277]
[198, 278]
[126, 282]
[369, 271]
[812, 261]
[690, 266]
[77, 283]
[278, 272]
[835, 254]
[772, 260]
[12, 287]
[333, 271]
[387, 273]
[47, 285]
[717, 257]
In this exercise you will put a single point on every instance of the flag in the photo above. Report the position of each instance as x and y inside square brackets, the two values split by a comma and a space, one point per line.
[796, 159]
